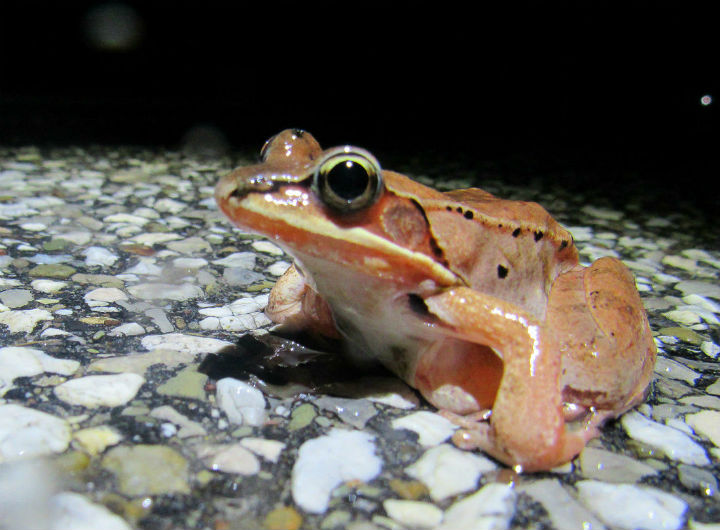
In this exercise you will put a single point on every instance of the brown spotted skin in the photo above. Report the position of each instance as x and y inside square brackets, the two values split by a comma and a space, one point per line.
[476, 301]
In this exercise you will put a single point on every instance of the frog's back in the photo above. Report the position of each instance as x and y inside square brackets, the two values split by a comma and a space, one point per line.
[510, 249]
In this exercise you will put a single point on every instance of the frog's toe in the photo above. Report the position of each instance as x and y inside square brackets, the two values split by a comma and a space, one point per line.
[296, 307]
[479, 436]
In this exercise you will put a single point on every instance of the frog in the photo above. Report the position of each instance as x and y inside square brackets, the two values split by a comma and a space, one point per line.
[478, 302]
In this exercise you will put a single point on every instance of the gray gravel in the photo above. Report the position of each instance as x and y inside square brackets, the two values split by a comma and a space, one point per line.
[118, 277]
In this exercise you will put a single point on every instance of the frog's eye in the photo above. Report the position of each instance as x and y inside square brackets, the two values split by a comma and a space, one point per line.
[266, 147]
[348, 179]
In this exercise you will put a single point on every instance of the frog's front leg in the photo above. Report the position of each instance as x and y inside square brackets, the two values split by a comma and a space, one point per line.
[296, 306]
[527, 425]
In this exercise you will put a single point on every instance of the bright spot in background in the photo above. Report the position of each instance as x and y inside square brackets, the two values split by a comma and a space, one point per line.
[706, 100]
[113, 27]
[205, 139]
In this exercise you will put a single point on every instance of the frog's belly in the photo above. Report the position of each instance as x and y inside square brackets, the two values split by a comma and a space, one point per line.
[375, 315]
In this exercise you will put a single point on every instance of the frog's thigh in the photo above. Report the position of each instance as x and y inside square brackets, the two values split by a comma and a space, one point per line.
[297, 307]
[459, 376]
[527, 424]
[603, 336]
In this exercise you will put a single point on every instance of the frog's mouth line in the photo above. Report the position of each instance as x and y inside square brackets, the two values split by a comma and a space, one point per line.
[297, 227]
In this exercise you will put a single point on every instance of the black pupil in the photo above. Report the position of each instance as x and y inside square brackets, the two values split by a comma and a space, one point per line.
[348, 180]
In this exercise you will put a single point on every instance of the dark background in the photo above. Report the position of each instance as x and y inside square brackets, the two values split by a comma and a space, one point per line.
[603, 100]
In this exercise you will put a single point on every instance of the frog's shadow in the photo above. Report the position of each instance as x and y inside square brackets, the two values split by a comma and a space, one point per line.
[288, 365]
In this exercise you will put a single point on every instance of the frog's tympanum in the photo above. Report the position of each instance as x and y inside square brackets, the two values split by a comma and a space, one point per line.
[476, 301]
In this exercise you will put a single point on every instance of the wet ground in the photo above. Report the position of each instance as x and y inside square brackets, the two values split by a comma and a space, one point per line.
[125, 401]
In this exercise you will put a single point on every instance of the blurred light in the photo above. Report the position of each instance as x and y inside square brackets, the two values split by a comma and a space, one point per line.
[205, 140]
[706, 100]
[113, 27]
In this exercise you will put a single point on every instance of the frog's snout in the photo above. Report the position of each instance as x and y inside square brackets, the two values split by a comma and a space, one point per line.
[239, 184]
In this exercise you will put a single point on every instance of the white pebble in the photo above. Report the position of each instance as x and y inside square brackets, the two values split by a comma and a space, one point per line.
[242, 403]
[9, 282]
[703, 302]
[184, 343]
[391, 392]
[209, 324]
[189, 263]
[145, 267]
[153, 238]
[602, 213]
[100, 390]
[26, 487]
[563, 509]
[267, 248]
[431, 428]
[699, 287]
[222, 311]
[680, 263]
[710, 349]
[105, 294]
[247, 322]
[629, 507]
[324, 463]
[99, 256]
[53, 332]
[243, 306]
[94, 440]
[188, 428]
[683, 317]
[707, 424]
[278, 268]
[675, 370]
[491, 508]
[245, 260]
[714, 388]
[166, 291]
[169, 205]
[701, 255]
[23, 320]
[268, 449]
[80, 238]
[674, 443]
[72, 510]
[705, 314]
[20, 361]
[229, 458]
[48, 286]
[126, 218]
[26, 433]
[447, 471]
[413, 514]
[127, 330]
[26, 248]
[168, 430]
[33, 227]
[612, 467]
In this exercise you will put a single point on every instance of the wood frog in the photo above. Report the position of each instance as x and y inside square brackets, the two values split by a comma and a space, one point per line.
[476, 301]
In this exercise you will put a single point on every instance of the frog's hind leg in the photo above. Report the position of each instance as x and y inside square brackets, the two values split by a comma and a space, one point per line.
[527, 426]
[603, 336]
[459, 376]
